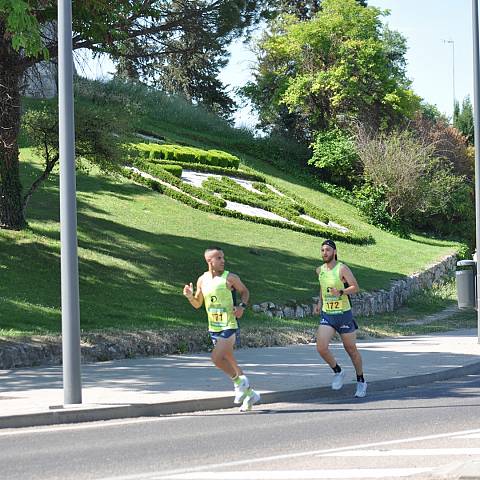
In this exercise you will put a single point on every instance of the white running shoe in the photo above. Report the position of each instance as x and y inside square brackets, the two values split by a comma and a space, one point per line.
[361, 390]
[241, 389]
[251, 399]
[337, 382]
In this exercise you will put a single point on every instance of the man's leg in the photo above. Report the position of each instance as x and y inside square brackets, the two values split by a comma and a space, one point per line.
[324, 336]
[350, 344]
[223, 353]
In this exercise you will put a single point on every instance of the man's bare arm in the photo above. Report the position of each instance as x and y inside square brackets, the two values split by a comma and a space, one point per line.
[196, 300]
[348, 277]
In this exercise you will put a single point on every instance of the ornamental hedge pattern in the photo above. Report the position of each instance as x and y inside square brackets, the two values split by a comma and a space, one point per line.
[212, 197]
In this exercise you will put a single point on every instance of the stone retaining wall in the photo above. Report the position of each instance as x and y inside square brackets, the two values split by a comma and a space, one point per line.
[35, 351]
[377, 301]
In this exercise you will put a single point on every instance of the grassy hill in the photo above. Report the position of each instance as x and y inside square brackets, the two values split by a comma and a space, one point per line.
[137, 248]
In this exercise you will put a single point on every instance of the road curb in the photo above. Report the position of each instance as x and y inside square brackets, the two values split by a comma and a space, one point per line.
[77, 414]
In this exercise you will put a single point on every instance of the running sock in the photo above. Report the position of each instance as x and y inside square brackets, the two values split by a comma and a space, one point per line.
[360, 378]
[238, 379]
[336, 368]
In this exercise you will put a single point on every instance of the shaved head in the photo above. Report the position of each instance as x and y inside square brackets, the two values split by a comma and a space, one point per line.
[210, 250]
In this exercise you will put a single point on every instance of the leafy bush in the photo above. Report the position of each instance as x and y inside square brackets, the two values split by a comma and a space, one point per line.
[372, 202]
[407, 187]
[335, 155]
[448, 143]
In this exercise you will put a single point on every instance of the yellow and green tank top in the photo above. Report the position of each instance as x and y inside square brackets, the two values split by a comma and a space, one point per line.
[218, 303]
[329, 279]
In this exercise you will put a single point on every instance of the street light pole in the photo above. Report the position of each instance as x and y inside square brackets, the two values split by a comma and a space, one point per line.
[72, 388]
[476, 117]
[453, 72]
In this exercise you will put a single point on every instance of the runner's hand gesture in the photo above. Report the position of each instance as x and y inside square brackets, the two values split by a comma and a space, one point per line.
[188, 290]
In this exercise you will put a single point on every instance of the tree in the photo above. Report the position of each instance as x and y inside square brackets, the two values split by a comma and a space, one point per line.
[94, 139]
[463, 119]
[102, 27]
[341, 64]
[449, 144]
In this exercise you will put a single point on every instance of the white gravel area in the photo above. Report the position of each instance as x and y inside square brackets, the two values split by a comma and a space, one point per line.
[254, 211]
[197, 178]
[330, 224]
[148, 137]
[313, 220]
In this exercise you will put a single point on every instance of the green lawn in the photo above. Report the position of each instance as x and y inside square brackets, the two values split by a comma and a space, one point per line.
[137, 248]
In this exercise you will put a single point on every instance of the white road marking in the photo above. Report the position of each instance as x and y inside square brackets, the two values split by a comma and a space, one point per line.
[273, 458]
[472, 436]
[351, 473]
[410, 452]
[85, 426]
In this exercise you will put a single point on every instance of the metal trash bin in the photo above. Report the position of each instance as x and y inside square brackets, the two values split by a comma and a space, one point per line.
[465, 280]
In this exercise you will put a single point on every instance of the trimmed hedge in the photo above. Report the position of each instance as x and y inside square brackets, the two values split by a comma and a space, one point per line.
[158, 172]
[231, 190]
[173, 169]
[186, 199]
[180, 153]
[200, 167]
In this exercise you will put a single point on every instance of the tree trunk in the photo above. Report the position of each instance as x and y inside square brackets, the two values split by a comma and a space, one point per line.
[11, 75]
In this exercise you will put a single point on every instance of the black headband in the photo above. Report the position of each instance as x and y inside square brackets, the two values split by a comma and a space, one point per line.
[330, 243]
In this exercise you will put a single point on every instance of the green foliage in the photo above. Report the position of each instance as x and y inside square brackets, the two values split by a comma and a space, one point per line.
[200, 167]
[230, 190]
[159, 172]
[334, 154]
[407, 187]
[463, 119]
[448, 206]
[97, 140]
[341, 64]
[373, 203]
[173, 169]
[180, 153]
[22, 24]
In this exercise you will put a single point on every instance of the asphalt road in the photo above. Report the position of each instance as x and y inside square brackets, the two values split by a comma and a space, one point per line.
[430, 431]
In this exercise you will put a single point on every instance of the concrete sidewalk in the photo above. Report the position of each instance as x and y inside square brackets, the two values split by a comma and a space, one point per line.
[186, 383]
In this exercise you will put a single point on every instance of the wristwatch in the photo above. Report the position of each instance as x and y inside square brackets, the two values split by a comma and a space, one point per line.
[243, 305]
[340, 292]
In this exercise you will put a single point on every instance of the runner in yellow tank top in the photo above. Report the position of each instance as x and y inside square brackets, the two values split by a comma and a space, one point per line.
[214, 289]
[336, 283]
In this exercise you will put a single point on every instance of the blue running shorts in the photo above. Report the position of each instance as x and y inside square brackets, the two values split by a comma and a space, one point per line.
[223, 334]
[341, 322]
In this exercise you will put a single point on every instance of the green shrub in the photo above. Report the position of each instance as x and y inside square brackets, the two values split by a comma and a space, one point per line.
[372, 202]
[335, 155]
[173, 169]
[162, 174]
[186, 154]
[200, 167]
[407, 187]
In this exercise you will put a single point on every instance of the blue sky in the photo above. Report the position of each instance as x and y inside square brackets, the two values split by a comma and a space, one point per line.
[424, 23]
